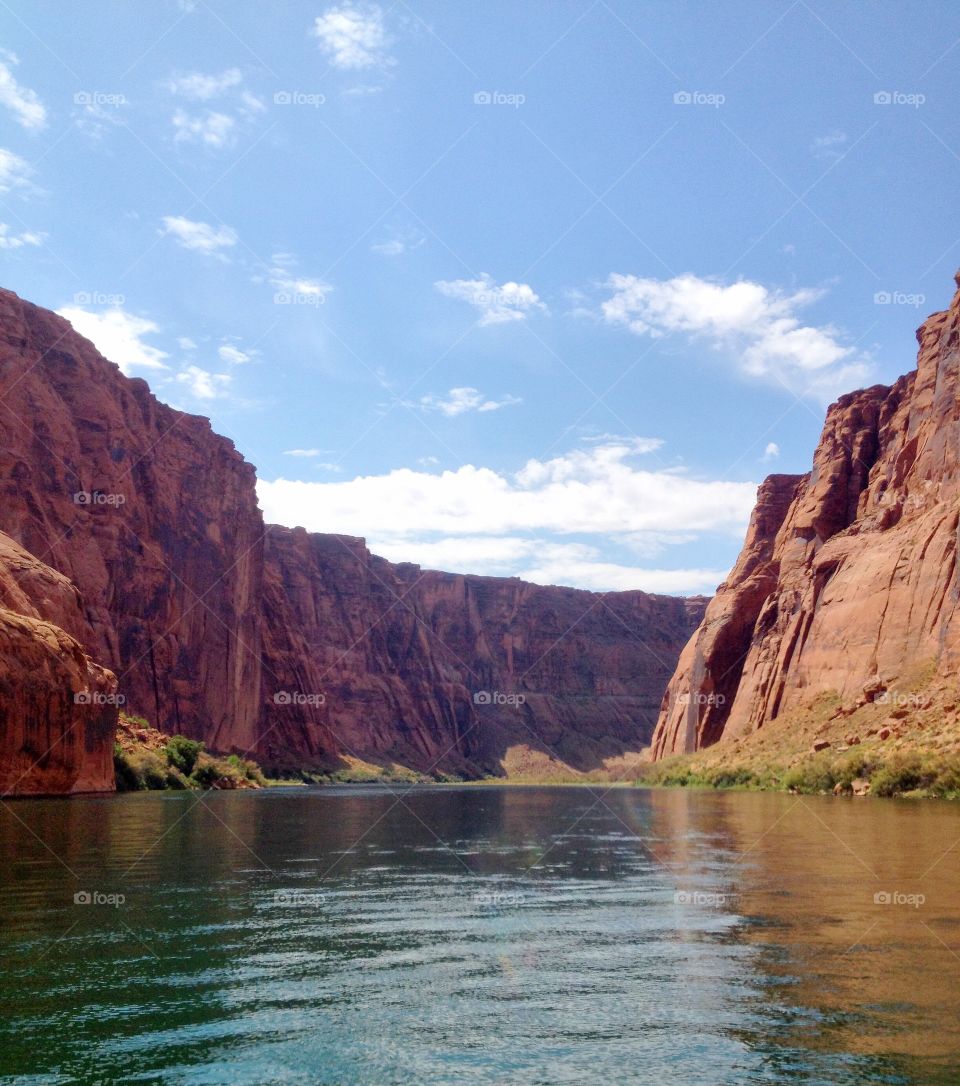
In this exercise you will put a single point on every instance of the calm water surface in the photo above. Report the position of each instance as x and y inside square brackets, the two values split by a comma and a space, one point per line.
[487, 935]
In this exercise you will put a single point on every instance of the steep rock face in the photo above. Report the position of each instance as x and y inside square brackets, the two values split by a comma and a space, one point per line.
[58, 710]
[432, 669]
[148, 512]
[208, 618]
[848, 581]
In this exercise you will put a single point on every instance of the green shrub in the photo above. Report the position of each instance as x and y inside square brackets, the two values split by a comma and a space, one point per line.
[182, 753]
[207, 773]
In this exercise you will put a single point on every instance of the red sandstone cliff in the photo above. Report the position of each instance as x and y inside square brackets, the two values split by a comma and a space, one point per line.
[58, 709]
[297, 648]
[848, 580]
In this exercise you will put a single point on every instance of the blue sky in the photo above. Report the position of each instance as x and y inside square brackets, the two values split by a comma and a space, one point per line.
[540, 289]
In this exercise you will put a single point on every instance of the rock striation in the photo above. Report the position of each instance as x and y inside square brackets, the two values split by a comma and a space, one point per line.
[848, 580]
[301, 650]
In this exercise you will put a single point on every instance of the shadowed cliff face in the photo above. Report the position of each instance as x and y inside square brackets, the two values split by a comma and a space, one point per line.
[304, 650]
[435, 669]
[848, 580]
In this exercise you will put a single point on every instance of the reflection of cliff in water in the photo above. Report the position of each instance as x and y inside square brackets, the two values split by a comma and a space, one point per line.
[846, 973]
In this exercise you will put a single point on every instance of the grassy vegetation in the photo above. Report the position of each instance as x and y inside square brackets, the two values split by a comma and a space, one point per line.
[893, 774]
[146, 760]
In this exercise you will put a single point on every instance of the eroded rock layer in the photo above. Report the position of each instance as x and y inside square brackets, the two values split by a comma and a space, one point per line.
[848, 580]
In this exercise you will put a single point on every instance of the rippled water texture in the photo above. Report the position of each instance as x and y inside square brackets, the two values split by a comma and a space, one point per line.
[488, 935]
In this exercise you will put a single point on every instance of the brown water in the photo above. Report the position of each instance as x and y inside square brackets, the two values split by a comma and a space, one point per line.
[490, 935]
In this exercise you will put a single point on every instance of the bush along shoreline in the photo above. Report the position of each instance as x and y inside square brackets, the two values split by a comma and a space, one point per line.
[146, 759]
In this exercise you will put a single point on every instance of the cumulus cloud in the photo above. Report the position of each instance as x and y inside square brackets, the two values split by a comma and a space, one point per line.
[202, 384]
[17, 241]
[14, 171]
[201, 87]
[772, 451]
[353, 37]
[199, 236]
[229, 353]
[25, 105]
[459, 401]
[118, 335]
[497, 304]
[288, 283]
[508, 520]
[210, 129]
[759, 326]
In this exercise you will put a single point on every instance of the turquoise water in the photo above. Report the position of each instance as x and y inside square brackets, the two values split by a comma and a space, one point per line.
[488, 935]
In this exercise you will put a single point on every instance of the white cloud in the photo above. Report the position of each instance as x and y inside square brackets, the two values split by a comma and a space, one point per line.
[185, 343]
[509, 520]
[394, 247]
[14, 171]
[17, 241]
[772, 451]
[285, 281]
[201, 87]
[459, 401]
[303, 452]
[202, 384]
[829, 145]
[233, 355]
[497, 304]
[353, 36]
[22, 102]
[118, 336]
[758, 326]
[199, 236]
[211, 129]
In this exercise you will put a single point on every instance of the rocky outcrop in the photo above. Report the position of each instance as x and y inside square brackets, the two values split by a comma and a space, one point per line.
[58, 709]
[848, 581]
[300, 649]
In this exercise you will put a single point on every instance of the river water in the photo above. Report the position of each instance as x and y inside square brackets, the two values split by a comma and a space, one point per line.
[479, 935]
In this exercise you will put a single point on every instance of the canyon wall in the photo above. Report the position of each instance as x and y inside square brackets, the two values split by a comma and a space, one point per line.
[848, 580]
[303, 650]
